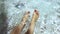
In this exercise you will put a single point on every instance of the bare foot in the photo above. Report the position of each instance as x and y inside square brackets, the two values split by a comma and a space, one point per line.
[18, 29]
[32, 24]
[24, 19]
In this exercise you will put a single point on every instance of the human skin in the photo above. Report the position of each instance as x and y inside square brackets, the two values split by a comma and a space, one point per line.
[18, 29]
[33, 21]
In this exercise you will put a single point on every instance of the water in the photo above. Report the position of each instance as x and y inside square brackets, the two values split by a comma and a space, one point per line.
[49, 10]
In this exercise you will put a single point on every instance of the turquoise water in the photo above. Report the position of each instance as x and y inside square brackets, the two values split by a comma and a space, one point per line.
[49, 10]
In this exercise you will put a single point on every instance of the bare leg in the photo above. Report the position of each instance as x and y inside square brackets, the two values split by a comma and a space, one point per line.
[32, 24]
[18, 29]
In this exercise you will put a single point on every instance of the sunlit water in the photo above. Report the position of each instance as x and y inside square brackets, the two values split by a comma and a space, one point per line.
[49, 10]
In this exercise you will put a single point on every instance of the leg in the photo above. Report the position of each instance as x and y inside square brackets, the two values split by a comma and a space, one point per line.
[32, 24]
[18, 29]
